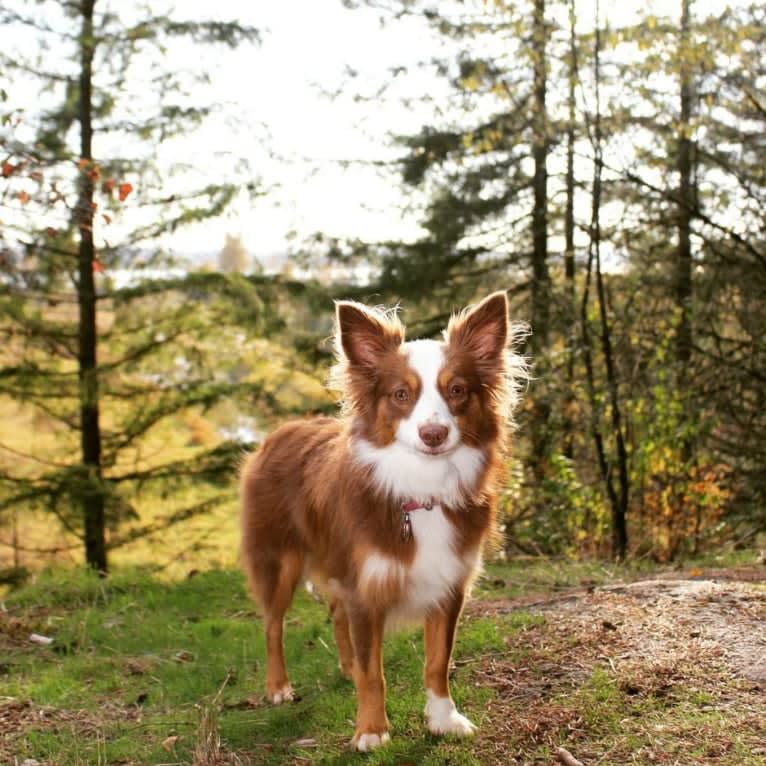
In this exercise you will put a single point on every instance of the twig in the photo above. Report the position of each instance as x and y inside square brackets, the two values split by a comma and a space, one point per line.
[567, 758]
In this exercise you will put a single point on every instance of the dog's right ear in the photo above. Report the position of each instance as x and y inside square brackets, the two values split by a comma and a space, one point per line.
[364, 334]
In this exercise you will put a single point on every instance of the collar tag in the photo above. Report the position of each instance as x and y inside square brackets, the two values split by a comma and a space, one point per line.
[406, 531]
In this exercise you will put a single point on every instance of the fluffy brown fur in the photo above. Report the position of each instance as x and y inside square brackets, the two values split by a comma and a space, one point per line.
[322, 498]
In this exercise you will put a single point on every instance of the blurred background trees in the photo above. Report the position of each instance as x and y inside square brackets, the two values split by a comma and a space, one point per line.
[602, 171]
[99, 351]
[610, 173]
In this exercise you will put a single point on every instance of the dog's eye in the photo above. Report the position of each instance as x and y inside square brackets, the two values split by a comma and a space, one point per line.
[456, 391]
[401, 394]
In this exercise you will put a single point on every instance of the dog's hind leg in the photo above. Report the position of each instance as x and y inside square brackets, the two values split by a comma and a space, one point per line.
[342, 637]
[275, 581]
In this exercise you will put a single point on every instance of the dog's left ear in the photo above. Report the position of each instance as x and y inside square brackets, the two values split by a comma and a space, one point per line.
[482, 329]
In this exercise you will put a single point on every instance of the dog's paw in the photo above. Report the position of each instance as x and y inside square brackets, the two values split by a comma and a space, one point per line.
[284, 694]
[369, 741]
[443, 717]
[454, 723]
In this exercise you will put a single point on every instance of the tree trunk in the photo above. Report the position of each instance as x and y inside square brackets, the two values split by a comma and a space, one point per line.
[683, 281]
[90, 435]
[617, 500]
[541, 298]
[683, 275]
[568, 418]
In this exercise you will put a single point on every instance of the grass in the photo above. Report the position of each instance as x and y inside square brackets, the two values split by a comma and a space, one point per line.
[143, 670]
[182, 658]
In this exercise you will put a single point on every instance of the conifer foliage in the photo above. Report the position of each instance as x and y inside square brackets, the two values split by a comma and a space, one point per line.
[100, 360]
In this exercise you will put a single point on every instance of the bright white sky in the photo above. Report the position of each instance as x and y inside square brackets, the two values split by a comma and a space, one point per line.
[308, 44]
[275, 90]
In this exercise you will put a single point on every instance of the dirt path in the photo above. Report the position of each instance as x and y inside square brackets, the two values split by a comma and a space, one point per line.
[682, 664]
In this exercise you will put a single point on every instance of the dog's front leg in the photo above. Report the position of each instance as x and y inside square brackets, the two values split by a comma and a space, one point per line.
[441, 713]
[367, 639]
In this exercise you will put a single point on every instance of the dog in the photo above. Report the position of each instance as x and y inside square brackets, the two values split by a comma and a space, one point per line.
[386, 509]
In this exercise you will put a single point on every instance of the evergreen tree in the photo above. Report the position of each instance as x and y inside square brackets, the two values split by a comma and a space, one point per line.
[675, 253]
[104, 363]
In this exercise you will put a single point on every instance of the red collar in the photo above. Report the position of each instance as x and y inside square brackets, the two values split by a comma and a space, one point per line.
[415, 505]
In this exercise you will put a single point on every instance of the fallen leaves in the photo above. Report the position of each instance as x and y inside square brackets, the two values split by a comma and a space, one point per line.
[632, 670]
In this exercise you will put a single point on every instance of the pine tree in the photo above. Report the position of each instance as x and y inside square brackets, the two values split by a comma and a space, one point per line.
[92, 357]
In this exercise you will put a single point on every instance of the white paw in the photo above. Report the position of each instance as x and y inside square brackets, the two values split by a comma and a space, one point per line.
[366, 742]
[285, 694]
[443, 717]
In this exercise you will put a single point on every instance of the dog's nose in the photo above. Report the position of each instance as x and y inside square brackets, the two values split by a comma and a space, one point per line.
[433, 434]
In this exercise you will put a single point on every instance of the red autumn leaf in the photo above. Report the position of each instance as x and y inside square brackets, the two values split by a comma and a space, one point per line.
[23, 197]
[94, 205]
[108, 186]
[83, 163]
[7, 169]
[124, 190]
[98, 267]
[95, 173]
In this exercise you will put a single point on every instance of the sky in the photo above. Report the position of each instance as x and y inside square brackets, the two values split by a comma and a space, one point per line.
[307, 48]
[279, 117]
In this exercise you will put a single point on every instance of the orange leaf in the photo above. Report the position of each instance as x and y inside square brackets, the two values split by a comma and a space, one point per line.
[124, 190]
[94, 173]
[7, 169]
[23, 197]
[83, 163]
[98, 267]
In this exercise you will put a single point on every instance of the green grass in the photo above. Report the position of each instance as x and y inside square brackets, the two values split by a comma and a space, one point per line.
[137, 661]
[683, 726]
[160, 650]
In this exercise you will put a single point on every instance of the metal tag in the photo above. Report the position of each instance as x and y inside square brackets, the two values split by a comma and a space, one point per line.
[406, 527]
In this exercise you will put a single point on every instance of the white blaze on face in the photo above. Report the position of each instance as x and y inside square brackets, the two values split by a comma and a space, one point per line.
[406, 468]
[426, 357]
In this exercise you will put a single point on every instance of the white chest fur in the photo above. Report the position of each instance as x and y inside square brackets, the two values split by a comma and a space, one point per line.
[436, 568]
[435, 571]
[407, 475]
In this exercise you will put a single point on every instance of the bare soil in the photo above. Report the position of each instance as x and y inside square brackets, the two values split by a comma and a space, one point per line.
[683, 665]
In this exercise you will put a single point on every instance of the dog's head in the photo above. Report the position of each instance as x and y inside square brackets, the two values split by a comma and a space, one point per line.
[426, 395]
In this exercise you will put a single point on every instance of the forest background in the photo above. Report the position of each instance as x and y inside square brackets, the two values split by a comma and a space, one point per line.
[606, 167]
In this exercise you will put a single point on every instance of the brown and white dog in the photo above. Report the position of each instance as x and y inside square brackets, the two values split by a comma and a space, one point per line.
[388, 508]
